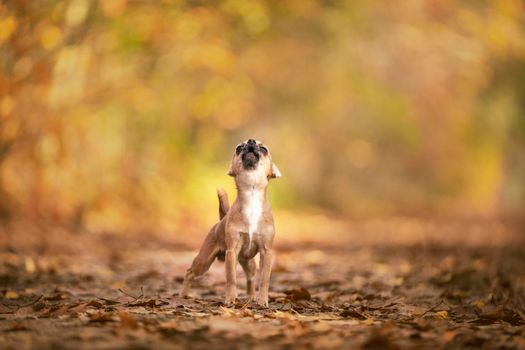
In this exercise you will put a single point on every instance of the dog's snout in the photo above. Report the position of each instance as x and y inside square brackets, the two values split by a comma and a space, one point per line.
[251, 144]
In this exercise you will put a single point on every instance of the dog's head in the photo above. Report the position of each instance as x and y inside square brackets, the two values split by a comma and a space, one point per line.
[252, 155]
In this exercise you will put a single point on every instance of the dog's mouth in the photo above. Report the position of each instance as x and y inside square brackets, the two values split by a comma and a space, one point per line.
[250, 159]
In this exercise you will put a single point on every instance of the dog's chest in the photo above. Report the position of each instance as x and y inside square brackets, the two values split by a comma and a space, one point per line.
[252, 210]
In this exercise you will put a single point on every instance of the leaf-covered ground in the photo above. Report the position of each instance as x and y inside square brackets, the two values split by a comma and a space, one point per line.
[67, 290]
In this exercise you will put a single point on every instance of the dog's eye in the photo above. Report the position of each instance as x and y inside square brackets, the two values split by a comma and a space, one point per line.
[263, 149]
[238, 149]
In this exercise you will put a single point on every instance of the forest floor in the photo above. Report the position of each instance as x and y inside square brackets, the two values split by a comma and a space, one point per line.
[453, 286]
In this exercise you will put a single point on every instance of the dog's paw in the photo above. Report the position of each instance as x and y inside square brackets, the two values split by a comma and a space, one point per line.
[229, 301]
[230, 298]
[262, 301]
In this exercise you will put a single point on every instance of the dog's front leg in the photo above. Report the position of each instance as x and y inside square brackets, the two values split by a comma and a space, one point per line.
[265, 263]
[231, 275]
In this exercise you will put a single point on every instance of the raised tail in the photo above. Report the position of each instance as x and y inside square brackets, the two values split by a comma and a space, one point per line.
[224, 204]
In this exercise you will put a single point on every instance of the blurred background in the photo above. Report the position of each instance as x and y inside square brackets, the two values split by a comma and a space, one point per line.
[123, 115]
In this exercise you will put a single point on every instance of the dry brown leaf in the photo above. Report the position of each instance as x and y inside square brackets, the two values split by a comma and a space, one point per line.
[285, 315]
[18, 326]
[353, 314]
[95, 304]
[55, 297]
[168, 325]
[127, 321]
[298, 294]
[102, 317]
[448, 336]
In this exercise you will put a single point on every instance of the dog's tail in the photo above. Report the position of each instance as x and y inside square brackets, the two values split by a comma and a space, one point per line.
[224, 204]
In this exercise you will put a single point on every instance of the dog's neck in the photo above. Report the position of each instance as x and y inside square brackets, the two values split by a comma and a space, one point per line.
[252, 195]
[250, 181]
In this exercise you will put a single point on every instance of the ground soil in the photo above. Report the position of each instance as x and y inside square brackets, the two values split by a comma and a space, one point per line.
[70, 289]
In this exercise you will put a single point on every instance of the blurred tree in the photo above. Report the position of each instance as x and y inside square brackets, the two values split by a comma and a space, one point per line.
[122, 115]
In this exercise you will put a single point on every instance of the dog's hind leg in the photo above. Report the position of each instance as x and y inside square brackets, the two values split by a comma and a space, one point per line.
[248, 265]
[201, 263]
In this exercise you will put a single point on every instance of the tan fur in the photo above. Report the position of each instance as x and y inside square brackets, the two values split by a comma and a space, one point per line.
[224, 203]
[242, 232]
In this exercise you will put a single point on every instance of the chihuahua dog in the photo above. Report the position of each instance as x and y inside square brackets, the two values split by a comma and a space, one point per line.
[245, 229]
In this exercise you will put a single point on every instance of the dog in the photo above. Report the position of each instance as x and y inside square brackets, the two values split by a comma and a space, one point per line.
[245, 229]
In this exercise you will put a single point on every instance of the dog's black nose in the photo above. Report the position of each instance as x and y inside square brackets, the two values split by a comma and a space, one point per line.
[251, 145]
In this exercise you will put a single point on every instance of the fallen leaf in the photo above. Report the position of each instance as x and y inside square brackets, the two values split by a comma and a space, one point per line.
[54, 297]
[448, 336]
[30, 265]
[102, 317]
[442, 315]
[148, 303]
[96, 304]
[353, 313]
[380, 338]
[19, 326]
[127, 320]
[11, 295]
[109, 301]
[168, 325]
[368, 321]
[479, 304]
[118, 284]
[492, 314]
[39, 305]
[281, 314]
[298, 294]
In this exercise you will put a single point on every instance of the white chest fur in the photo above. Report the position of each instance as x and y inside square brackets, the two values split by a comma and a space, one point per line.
[252, 210]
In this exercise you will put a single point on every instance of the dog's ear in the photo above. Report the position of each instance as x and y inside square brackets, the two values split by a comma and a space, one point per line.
[275, 171]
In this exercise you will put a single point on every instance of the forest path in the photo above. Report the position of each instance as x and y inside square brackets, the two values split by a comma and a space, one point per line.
[98, 291]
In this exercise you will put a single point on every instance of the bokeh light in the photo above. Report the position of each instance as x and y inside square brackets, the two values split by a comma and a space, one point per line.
[122, 115]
